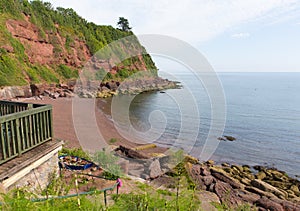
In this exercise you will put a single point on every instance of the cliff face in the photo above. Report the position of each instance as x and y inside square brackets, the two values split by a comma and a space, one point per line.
[39, 44]
[42, 50]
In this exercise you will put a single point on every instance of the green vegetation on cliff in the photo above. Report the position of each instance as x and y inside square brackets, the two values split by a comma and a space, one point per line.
[68, 41]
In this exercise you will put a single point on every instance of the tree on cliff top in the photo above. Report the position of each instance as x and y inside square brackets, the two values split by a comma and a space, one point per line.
[123, 24]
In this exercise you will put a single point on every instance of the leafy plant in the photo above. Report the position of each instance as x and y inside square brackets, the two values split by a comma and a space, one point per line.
[107, 161]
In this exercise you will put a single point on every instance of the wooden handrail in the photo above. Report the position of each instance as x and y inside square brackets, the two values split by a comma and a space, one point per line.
[22, 127]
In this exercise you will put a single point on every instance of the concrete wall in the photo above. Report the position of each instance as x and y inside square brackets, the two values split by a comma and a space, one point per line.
[35, 177]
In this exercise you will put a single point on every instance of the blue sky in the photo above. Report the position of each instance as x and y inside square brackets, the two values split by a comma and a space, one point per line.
[234, 35]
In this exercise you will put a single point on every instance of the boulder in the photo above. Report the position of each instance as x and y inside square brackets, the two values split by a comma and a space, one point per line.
[154, 169]
[259, 192]
[226, 194]
[208, 180]
[269, 204]
[223, 176]
[260, 175]
[267, 187]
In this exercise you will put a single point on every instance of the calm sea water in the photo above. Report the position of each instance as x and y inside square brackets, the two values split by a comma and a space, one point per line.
[263, 113]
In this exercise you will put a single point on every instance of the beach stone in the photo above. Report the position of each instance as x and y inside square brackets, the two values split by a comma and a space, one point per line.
[266, 187]
[154, 169]
[269, 204]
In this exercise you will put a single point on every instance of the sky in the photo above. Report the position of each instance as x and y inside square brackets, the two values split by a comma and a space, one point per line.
[233, 35]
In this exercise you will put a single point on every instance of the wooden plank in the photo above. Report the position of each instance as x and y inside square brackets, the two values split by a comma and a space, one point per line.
[18, 136]
[30, 131]
[22, 133]
[34, 130]
[44, 125]
[13, 137]
[26, 128]
[7, 140]
[24, 113]
[38, 126]
[3, 142]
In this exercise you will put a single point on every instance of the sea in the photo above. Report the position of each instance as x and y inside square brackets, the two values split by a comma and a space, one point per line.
[261, 110]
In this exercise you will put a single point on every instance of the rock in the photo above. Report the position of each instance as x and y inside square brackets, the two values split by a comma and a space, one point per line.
[259, 192]
[239, 168]
[206, 199]
[225, 164]
[11, 92]
[204, 171]
[208, 180]
[226, 194]
[223, 176]
[230, 138]
[269, 204]
[210, 162]
[246, 181]
[248, 196]
[249, 176]
[191, 159]
[131, 153]
[266, 187]
[294, 188]
[154, 169]
[221, 139]
[195, 171]
[8, 48]
[259, 168]
[260, 175]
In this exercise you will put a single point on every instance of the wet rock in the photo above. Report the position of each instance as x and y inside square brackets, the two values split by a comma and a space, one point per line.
[230, 138]
[225, 164]
[259, 168]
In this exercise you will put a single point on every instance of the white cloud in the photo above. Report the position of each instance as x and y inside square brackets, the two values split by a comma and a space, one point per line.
[191, 20]
[241, 35]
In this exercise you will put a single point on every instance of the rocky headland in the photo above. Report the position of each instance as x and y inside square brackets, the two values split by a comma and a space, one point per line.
[261, 187]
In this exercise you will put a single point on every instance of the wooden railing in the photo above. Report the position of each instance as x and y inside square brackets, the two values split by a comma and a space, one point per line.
[23, 126]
